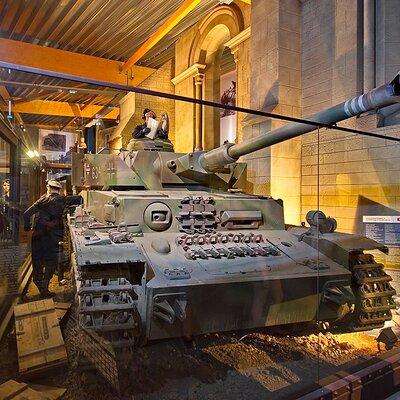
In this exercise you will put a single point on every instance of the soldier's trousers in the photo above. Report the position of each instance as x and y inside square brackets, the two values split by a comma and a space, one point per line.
[43, 271]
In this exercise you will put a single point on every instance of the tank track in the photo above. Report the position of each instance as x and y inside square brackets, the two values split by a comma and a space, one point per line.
[373, 292]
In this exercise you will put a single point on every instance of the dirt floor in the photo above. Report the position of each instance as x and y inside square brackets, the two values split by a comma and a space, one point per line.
[256, 365]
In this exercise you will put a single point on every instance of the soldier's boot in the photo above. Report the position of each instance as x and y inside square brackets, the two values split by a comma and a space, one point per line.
[48, 274]
[46, 294]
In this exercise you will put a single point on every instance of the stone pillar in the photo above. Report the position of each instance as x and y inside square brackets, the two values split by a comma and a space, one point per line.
[198, 134]
[275, 86]
[240, 49]
[126, 125]
[185, 113]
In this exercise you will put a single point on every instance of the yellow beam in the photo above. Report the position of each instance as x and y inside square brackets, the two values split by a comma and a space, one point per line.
[171, 22]
[60, 108]
[90, 102]
[67, 62]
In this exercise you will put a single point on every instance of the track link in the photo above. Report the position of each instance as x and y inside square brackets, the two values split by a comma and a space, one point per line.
[374, 294]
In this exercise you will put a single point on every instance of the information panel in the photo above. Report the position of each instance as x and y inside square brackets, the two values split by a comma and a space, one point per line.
[385, 229]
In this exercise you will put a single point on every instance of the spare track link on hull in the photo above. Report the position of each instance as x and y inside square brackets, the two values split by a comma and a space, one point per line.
[374, 294]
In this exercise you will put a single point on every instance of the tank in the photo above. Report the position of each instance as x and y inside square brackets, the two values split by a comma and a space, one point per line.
[167, 245]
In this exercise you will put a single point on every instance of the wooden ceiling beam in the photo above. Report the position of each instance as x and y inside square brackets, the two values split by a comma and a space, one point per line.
[89, 103]
[59, 89]
[17, 100]
[47, 59]
[164, 29]
[54, 127]
[61, 108]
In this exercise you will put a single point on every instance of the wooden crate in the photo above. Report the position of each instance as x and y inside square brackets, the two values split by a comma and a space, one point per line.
[39, 340]
[62, 310]
[12, 390]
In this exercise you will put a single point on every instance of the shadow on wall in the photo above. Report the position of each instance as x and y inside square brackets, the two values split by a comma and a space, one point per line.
[271, 99]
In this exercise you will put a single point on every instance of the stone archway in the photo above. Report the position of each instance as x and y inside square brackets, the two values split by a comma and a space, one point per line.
[224, 23]
[197, 59]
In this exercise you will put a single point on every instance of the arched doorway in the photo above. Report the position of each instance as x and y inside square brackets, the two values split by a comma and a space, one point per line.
[208, 49]
[227, 91]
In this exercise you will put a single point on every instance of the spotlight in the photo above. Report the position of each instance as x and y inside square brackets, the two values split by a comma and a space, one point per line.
[30, 153]
[36, 153]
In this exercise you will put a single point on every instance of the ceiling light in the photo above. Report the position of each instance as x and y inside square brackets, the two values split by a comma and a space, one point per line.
[72, 91]
[30, 153]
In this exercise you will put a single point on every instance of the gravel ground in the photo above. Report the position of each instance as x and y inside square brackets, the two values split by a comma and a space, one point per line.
[258, 365]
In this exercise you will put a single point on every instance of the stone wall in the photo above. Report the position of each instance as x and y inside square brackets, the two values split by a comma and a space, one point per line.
[330, 60]
[275, 86]
[159, 81]
[242, 59]
[387, 39]
[185, 116]
[347, 175]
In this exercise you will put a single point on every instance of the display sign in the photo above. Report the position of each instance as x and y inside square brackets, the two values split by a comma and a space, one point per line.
[385, 229]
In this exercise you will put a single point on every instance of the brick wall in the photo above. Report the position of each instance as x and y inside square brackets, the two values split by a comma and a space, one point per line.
[159, 81]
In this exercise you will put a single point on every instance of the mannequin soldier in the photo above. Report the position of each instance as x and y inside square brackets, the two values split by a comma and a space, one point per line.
[48, 231]
[142, 130]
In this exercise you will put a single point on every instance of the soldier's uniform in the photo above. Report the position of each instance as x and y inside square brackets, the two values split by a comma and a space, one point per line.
[48, 231]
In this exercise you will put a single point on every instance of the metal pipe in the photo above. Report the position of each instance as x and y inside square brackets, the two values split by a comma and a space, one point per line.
[382, 96]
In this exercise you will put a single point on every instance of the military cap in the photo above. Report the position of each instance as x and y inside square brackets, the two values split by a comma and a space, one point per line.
[54, 184]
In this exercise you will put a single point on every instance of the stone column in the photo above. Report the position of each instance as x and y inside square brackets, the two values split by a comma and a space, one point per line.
[240, 49]
[198, 133]
[185, 113]
[275, 53]
[369, 45]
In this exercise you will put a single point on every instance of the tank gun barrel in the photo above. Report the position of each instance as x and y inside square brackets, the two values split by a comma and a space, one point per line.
[379, 97]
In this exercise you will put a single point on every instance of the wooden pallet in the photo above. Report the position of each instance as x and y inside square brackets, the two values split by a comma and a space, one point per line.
[39, 340]
[12, 390]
